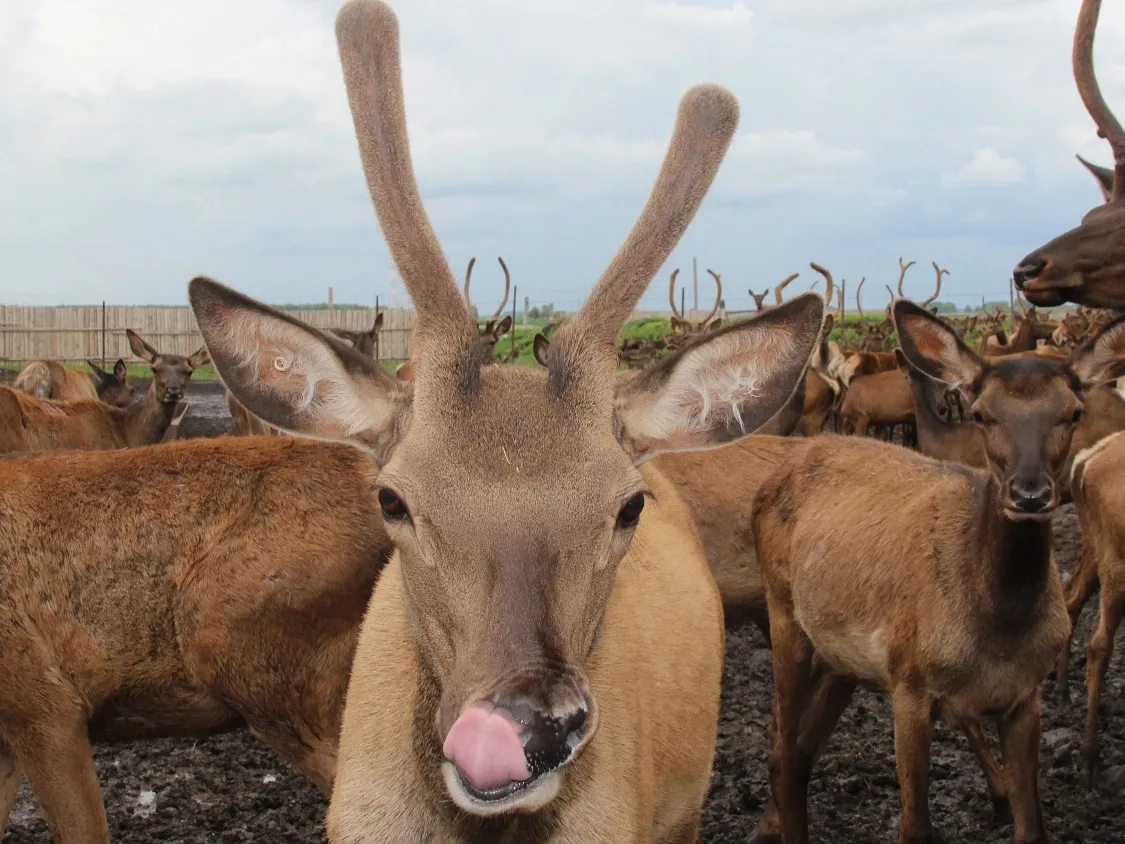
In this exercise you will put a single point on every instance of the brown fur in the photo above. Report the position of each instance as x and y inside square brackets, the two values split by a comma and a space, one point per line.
[49, 379]
[1086, 265]
[882, 400]
[226, 591]
[820, 399]
[524, 578]
[30, 424]
[970, 620]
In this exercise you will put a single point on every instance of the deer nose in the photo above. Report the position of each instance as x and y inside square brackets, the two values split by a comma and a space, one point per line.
[548, 737]
[1031, 495]
[1026, 271]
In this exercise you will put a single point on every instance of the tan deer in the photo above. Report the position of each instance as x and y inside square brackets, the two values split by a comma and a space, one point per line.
[1085, 265]
[971, 619]
[30, 424]
[1096, 488]
[49, 379]
[516, 675]
[235, 601]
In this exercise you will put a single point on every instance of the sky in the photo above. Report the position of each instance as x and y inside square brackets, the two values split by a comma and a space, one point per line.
[144, 143]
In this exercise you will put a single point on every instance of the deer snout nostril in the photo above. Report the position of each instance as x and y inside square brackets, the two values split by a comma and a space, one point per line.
[1026, 271]
[1031, 495]
[549, 738]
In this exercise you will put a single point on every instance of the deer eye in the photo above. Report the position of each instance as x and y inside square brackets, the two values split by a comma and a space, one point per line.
[978, 417]
[393, 507]
[1077, 417]
[631, 512]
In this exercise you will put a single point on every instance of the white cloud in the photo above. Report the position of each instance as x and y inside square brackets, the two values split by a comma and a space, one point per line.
[987, 168]
[141, 143]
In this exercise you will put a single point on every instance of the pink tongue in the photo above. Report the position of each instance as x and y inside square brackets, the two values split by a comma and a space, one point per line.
[486, 749]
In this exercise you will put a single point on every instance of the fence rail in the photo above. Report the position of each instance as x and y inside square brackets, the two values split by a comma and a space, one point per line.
[76, 333]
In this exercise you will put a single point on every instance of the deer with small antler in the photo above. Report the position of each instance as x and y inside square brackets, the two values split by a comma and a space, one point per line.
[1086, 265]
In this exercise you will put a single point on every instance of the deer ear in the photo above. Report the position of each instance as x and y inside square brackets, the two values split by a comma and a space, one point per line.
[378, 322]
[1102, 358]
[719, 389]
[932, 347]
[502, 328]
[297, 378]
[100, 375]
[539, 347]
[120, 371]
[200, 358]
[140, 348]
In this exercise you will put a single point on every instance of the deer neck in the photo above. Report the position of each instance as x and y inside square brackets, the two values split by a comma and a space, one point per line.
[1016, 566]
[146, 421]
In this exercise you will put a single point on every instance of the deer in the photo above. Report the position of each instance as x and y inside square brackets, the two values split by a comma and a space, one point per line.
[681, 325]
[214, 616]
[966, 625]
[883, 400]
[1085, 265]
[1095, 488]
[474, 709]
[49, 379]
[489, 334]
[31, 424]
[364, 342]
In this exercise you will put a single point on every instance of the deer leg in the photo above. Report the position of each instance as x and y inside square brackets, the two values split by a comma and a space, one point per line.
[914, 726]
[1098, 653]
[59, 765]
[833, 694]
[9, 785]
[1019, 739]
[991, 768]
[1079, 588]
[792, 666]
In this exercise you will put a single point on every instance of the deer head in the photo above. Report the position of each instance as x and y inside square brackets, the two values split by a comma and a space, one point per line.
[363, 342]
[1026, 406]
[1086, 265]
[113, 388]
[510, 494]
[494, 328]
[170, 373]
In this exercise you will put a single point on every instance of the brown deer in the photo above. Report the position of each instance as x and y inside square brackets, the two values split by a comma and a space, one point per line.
[967, 623]
[1096, 489]
[1085, 265]
[882, 400]
[364, 342]
[235, 602]
[503, 682]
[49, 379]
[30, 424]
[681, 325]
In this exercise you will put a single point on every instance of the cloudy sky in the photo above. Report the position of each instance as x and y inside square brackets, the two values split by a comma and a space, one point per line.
[142, 143]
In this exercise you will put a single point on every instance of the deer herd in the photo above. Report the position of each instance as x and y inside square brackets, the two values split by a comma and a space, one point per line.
[465, 624]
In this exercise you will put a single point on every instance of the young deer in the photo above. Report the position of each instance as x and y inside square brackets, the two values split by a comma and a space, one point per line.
[30, 424]
[1085, 265]
[49, 379]
[234, 599]
[364, 342]
[971, 619]
[540, 662]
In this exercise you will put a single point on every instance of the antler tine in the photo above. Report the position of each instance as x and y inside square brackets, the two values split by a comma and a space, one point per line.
[507, 288]
[784, 283]
[1082, 58]
[367, 39]
[858, 306]
[718, 297]
[672, 294]
[705, 124]
[940, 272]
[469, 275]
[902, 268]
[828, 284]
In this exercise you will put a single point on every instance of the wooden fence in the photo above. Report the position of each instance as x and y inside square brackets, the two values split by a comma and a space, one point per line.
[77, 333]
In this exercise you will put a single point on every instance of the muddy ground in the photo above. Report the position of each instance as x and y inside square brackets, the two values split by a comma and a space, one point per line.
[231, 789]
